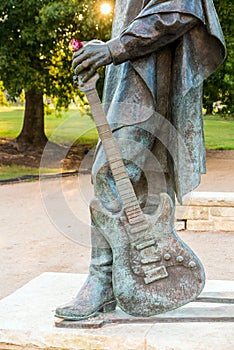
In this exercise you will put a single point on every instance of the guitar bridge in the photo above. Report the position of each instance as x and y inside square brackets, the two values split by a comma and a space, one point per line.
[155, 274]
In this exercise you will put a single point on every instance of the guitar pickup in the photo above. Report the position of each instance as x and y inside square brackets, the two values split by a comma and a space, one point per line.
[149, 255]
[145, 244]
[155, 274]
[151, 259]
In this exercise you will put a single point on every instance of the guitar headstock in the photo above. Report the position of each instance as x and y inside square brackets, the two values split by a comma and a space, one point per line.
[87, 86]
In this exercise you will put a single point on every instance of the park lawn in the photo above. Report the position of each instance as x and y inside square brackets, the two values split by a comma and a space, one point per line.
[11, 121]
[15, 171]
[72, 126]
[219, 133]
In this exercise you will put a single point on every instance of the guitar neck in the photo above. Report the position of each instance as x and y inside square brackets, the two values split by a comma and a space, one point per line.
[124, 186]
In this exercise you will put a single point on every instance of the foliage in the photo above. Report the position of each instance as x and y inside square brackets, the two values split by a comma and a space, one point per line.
[35, 36]
[220, 86]
[35, 53]
[3, 100]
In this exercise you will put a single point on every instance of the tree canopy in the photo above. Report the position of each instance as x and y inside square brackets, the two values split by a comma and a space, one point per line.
[35, 36]
[35, 54]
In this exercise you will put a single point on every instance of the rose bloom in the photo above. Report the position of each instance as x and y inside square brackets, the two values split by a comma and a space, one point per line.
[76, 44]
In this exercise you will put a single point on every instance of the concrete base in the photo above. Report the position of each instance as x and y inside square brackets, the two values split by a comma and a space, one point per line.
[27, 322]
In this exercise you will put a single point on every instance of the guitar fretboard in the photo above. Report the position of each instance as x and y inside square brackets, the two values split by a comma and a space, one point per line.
[124, 186]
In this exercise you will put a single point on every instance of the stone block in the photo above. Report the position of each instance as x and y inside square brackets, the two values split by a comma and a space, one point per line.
[27, 322]
[200, 225]
[209, 199]
[222, 212]
[180, 225]
[192, 213]
[207, 211]
[224, 225]
[190, 336]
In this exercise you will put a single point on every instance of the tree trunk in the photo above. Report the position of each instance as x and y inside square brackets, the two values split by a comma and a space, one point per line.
[33, 134]
[209, 106]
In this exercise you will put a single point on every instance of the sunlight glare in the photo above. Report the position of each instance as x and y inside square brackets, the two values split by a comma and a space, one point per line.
[105, 8]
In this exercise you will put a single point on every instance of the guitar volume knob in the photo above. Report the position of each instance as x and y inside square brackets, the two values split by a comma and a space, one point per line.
[192, 264]
[180, 259]
[167, 256]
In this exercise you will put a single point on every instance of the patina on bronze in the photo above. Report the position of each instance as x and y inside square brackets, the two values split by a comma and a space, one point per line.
[150, 264]
[160, 54]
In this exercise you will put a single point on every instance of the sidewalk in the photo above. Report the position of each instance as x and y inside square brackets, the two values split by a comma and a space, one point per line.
[220, 172]
[31, 244]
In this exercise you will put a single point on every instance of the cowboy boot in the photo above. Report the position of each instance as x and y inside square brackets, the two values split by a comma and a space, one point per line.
[96, 295]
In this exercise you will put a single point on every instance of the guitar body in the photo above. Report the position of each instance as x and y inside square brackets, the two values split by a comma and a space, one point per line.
[154, 271]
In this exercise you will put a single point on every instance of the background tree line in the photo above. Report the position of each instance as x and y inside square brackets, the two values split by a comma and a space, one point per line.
[220, 86]
[35, 55]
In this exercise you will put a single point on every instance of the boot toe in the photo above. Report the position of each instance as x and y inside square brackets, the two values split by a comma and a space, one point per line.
[73, 314]
[76, 313]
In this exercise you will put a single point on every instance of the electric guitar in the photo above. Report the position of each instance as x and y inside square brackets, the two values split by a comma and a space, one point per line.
[153, 269]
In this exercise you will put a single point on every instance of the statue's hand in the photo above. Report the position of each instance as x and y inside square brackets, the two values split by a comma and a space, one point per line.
[91, 56]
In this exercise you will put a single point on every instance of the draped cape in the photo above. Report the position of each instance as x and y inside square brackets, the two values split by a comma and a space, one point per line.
[196, 55]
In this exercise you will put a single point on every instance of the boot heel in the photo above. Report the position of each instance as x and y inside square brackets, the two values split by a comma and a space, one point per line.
[109, 307]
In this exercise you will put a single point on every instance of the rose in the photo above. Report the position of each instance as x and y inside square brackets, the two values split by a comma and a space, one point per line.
[76, 45]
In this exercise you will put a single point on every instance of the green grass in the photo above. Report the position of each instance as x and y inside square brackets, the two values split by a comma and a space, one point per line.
[219, 133]
[14, 171]
[73, 127]
[11, 122]
[70, 127]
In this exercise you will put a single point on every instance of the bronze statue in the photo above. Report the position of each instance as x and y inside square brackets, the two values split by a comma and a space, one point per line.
[160, 54]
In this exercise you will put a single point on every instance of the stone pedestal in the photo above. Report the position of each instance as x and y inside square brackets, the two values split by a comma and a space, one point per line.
[27, 321]
[206, 211]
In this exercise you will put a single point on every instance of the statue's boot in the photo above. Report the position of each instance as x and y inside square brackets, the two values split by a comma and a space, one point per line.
[96, 295]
